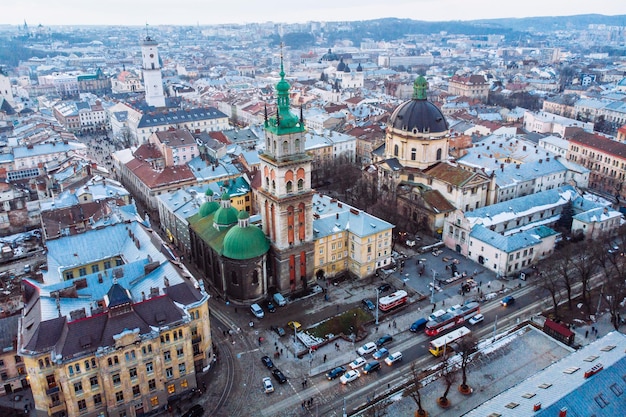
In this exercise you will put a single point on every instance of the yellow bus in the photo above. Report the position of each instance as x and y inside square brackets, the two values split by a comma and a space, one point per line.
[439, 345]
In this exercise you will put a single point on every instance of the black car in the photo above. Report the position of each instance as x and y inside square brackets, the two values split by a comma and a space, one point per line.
[280, 377]
[270, 306]
[335, 373]
[195, 411]
[267, 362]
[368, 304]
[384, 287]
[383, 340]
[279, 330]
[371, 367]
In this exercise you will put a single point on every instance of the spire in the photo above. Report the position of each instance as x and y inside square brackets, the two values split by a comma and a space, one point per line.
[301, 116]
[266, 119]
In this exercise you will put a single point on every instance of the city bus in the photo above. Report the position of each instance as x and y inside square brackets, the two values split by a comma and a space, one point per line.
[439, 345]
[393, 300]
[452, 318]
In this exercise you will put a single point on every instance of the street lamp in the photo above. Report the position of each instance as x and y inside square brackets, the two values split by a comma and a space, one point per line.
[432, 290]
[376, 306]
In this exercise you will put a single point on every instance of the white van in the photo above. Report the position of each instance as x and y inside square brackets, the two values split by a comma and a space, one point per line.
[257, 311]
[279, 299]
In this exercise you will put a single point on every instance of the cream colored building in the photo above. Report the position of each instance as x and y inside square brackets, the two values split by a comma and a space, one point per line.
[347, 239]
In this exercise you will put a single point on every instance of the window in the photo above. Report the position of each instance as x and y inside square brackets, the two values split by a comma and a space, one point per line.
[107, 264]
[119, 396]
[154, 401]
[396, 150]
[413, 154]
[171, 389]
[182, 369]
[97, 400]
[130, 355]
[78, 387]
[149, 367]
[95, 268]
[82, 272]
[169, 373]
[179, 352]
[152, 385]
[136, 391]
[167, 356]
[116, 379]
[132, 372]
[93, 382]
[146, 349]
[82, 405]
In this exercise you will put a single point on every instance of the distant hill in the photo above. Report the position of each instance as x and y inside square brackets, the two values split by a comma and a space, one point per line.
[552, 23]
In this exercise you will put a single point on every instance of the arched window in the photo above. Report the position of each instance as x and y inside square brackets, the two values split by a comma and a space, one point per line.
[297, 145]
[273, 185]
[439, 154]
[274, 145]
[267, 182]
[233, 278]
[396, 150]
[300, 184]
[285, 147]
[255, 277]
[413, 154]
[289, 187]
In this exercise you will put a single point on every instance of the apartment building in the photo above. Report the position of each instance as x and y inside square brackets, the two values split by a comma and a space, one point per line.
[112, 329]
[473, 86]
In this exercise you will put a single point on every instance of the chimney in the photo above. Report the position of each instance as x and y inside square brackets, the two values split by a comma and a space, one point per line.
[563, 412]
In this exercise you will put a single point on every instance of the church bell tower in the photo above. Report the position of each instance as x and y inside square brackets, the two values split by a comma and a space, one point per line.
[285, 195]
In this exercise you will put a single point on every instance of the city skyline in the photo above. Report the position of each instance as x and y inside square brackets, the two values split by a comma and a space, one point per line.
[211, 12]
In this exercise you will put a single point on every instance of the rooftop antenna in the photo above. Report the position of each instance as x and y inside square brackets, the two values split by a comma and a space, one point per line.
[147, 35]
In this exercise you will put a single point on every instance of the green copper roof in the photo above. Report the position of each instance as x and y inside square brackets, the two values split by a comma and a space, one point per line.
[420, 86]
[208, 207]
[209, 192]
[245, 242]
[225, 216]
[284, 122]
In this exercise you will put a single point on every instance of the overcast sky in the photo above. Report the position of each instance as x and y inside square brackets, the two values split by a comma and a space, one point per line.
[204, 12]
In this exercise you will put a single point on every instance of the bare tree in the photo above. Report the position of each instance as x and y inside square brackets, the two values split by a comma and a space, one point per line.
[447, 374]
[561, 264]
[551, 282]
[466, 348]
[584, 264]
[378, 409]
[413, 390]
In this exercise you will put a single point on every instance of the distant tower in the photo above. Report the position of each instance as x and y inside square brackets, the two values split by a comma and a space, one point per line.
[285, 196]
[152, 79]
[5, 87]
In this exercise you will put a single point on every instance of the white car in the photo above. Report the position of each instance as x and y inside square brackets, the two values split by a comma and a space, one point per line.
[357, 363]
[392, 358]
[349, 376]
[369, 347]
[476, 319]
[267, 385]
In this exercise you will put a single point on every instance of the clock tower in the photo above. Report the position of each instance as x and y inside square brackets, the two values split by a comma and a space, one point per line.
[152, 78]
[285, 195]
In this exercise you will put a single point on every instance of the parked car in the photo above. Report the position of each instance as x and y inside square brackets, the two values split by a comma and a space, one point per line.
[257, 311]
[476, 319]
[279, 376]
[509, 300]
[383, 340]
[371, 367]
[369, 347]
[380, 353]
[267, 362]
[349, 376]
[270, 306]
[368, 304]
[294, 325]
[418, 325]
[335, 373]
[384, 287]
[279, 330]
[357, 363]
[195, 411]
[267, 385]
[393, 358]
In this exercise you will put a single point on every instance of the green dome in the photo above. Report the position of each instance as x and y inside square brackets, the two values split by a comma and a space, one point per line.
[243, 215]
[209, 192]
[225, 216]
[245, 242]
[208, 207]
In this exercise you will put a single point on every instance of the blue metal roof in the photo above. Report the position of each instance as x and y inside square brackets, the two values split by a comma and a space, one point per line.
[507, 244]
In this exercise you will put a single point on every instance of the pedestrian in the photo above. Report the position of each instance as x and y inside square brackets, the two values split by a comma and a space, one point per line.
[395, 325]
[303, 384]
[281, 351]
[324, 358]
[303, 404]
[443, 302]
[376, 329]
[586, 334]
[389, 326]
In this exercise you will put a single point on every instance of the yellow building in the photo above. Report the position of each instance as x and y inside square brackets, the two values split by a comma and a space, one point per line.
[13, 375]
[347, 239]
[120, 341]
